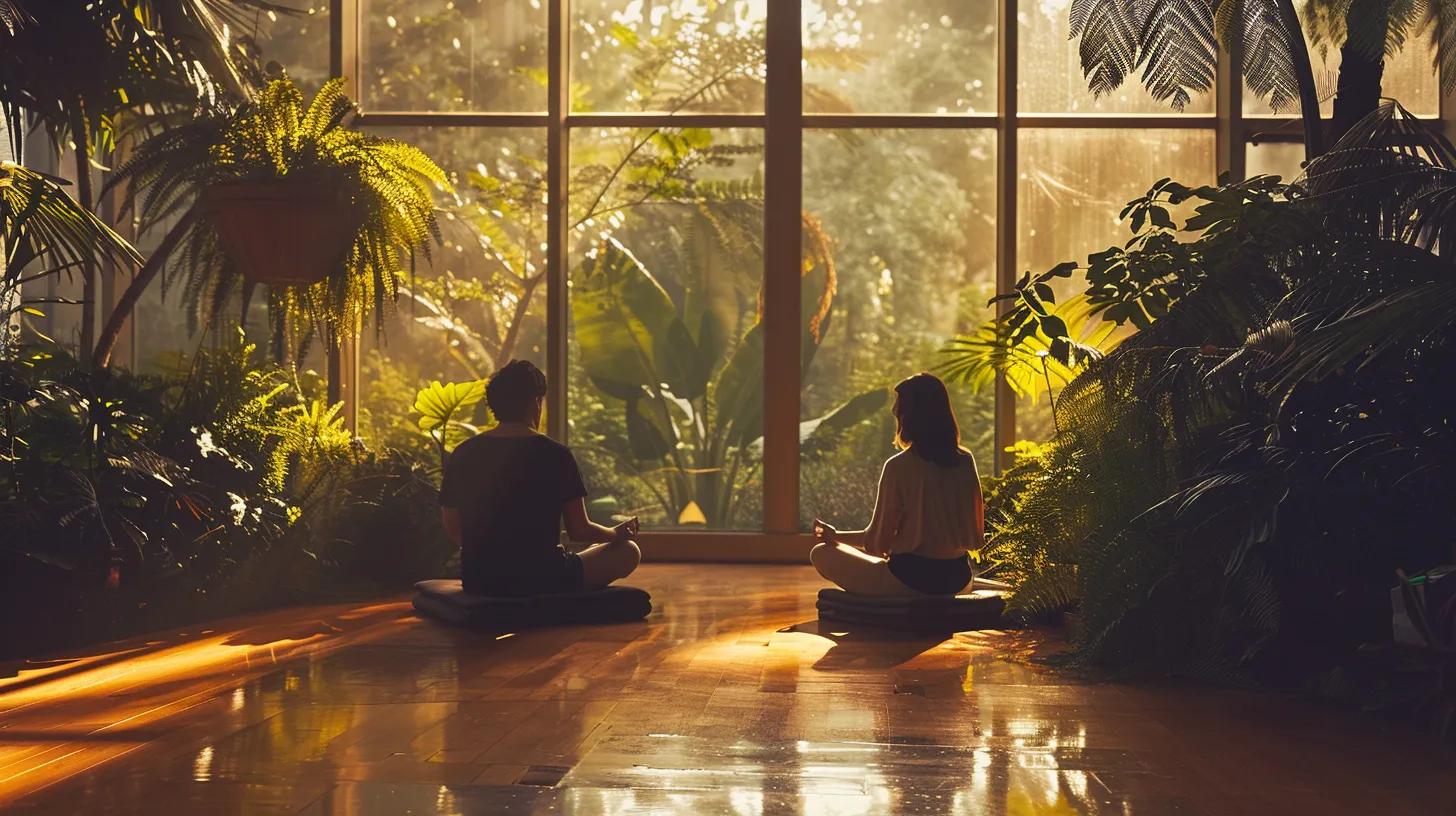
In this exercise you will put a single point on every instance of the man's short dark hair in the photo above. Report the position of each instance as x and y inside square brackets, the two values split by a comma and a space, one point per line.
[513, 388]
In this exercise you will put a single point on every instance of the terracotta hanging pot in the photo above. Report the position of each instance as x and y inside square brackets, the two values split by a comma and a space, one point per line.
[283, 233]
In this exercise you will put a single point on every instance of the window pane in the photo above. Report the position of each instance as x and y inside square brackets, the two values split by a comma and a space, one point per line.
[882, 56]
[1281, 159]
[299, 42]
[1071, 186]
[910, 217]
[679, 56]
[453, 55]
[1410, 77]
[481, 300]
[666, 354]
[1051, 78]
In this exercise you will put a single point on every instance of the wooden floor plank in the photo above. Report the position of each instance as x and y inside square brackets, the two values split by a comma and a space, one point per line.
[731, 698]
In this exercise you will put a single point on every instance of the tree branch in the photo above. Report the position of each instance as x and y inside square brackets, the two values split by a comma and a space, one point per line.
[106, 343]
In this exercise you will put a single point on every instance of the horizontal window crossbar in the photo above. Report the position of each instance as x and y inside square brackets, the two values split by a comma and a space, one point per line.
[813, 121]
[451, 119]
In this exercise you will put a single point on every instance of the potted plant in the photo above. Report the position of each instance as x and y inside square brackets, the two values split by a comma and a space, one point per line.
[84, 71]
[278, 192]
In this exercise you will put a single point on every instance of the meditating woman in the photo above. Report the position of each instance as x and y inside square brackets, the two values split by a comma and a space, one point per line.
[929, 512]
[506, 492]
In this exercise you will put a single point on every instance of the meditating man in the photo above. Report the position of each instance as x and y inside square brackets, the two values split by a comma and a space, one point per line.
[929, 512]
[505, 493]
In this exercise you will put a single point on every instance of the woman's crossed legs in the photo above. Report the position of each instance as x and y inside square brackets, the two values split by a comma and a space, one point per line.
[857, 571]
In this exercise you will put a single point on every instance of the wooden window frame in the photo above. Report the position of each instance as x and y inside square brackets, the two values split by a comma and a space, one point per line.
[783, 123]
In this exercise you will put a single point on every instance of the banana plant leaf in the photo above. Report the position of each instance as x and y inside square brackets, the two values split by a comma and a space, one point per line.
[740, 386]
[622, 317]
[739, 392]
[651, 433]
[820, 433]
[684, 363]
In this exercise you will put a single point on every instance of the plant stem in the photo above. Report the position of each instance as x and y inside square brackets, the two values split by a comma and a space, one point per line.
[513, 331]
[106, 343]
[1051, 396]
[84, 194]
[1309, 107]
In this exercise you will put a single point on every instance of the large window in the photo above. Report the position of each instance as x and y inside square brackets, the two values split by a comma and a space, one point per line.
[671, 203]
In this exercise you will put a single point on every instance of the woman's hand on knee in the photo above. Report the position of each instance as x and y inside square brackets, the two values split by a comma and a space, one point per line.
[824, 532]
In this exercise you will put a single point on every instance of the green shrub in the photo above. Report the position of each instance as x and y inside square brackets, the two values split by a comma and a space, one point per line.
[1233, 487]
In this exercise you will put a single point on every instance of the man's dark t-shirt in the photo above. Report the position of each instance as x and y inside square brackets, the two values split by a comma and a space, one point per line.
[510, 491]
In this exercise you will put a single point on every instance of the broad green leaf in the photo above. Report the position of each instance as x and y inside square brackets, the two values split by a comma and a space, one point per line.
[820, 432]
[680, 363]
[650, 432]
[440, 404]
[739, 392]
[619, 310]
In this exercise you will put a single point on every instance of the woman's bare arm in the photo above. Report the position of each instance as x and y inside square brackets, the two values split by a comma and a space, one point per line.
[884, 522]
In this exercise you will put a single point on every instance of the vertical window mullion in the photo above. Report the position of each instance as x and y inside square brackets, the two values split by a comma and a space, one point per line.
[558, 106]
[1229, 92]
[343, 358]
[783, 205]
[1006, 111]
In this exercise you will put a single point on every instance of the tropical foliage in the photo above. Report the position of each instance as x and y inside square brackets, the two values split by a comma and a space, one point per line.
[219, 485]
[1234, 486]
[443, 410]
[1175, 46]
[44, 233]
[83, 71]
[691, 384]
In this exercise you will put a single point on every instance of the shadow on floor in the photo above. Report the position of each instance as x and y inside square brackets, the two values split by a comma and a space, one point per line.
[865, 647]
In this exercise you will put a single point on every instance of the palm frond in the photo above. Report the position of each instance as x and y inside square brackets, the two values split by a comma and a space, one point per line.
[1178, 50]
[13, 15]
[1266, 46]
[40, 222]
[1368, 330]
[1110, 34]
[1030, 368]
[1391, 174]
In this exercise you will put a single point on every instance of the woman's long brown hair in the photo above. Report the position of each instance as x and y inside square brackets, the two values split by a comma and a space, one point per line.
[924, 420]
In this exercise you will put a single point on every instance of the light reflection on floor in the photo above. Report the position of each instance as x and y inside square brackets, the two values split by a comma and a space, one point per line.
[728, 700]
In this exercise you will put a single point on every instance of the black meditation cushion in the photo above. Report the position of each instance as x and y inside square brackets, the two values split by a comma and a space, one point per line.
[445, 600]
[977, 609]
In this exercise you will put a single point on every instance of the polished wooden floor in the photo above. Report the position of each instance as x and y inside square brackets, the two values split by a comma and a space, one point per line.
[730, 699]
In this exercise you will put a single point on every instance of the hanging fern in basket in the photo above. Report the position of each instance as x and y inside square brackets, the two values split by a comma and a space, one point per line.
[268, 159]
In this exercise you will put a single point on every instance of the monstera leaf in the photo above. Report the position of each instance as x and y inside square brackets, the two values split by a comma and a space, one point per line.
[441, 406]
[623, 317]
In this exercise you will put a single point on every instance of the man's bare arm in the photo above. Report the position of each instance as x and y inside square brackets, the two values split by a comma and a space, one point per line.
[450, 517]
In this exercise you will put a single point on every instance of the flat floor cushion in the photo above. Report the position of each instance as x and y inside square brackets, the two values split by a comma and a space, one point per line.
[444, 600]
[978, 609]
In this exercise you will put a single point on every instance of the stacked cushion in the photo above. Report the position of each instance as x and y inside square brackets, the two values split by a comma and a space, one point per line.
[445, 601]
[978, 609]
